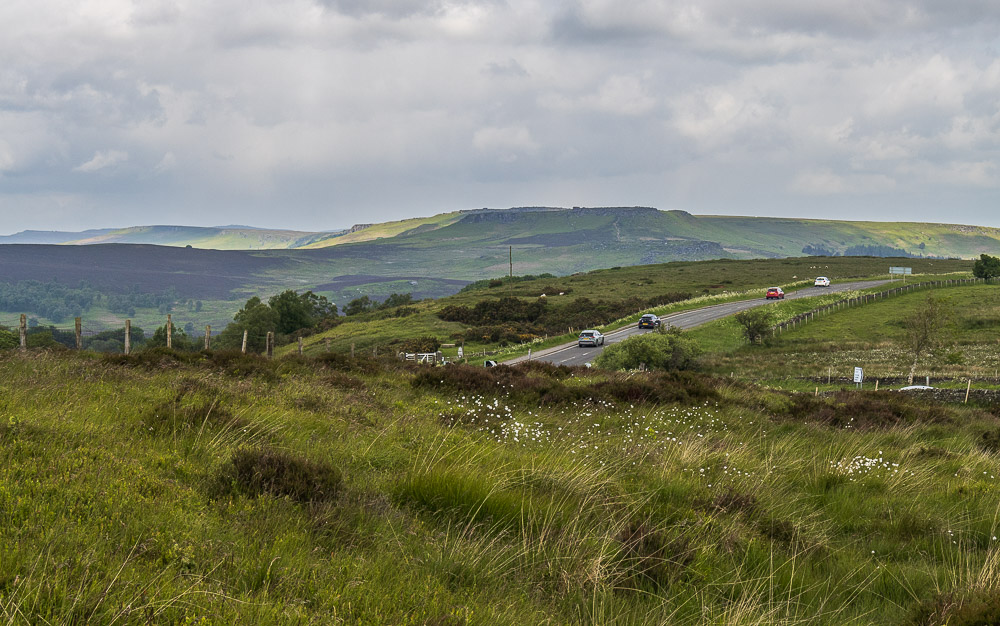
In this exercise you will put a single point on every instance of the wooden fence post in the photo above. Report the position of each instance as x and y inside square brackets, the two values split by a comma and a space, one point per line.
[170, 329]
[79, 332]
[326, 343]
[128, 337]
[24, 331]
[244, 348]
[300, 346]
[270, 344]
[352, 349]
[208, 337]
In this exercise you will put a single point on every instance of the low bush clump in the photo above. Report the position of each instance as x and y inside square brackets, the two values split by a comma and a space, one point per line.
[548, 389]
[876, 409]
[153, 358]
[669, 350]
[239, 365]
[420, 345]
[257, 472]
[178, 416]
[360, 364]
[979, 609]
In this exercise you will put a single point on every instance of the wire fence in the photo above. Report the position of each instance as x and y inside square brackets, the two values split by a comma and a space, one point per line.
[120, 338]
[868, 298]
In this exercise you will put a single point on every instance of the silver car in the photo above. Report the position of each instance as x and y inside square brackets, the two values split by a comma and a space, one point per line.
[590, 338]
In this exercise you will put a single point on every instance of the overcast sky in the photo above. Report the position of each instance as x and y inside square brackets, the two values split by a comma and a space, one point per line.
[319, 114]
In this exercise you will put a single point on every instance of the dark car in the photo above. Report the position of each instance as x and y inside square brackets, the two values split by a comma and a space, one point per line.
[649, 321]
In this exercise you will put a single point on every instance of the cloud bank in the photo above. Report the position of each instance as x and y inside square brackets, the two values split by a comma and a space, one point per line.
[317, 114]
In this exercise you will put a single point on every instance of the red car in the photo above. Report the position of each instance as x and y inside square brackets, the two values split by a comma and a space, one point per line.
[775, 293]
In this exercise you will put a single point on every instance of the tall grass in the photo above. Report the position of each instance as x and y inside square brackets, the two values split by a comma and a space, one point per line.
[279, 497]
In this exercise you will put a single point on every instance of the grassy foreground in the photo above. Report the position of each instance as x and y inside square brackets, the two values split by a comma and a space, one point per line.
[215, 489]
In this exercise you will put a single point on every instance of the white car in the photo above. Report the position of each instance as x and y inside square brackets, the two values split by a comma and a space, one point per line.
[590, 338]
[822, 281]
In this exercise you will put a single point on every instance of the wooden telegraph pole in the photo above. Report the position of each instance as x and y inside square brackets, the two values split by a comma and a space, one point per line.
[244, 348]
[79, 332]
[128, 337]
[170, 329]
[208, 337]
[24, 331]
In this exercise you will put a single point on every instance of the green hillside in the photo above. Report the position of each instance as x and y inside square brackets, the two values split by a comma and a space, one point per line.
[198, 237]
[600, 297]
[575, 239]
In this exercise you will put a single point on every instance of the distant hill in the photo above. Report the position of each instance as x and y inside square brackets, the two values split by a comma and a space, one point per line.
[629, 234]
[435, 256]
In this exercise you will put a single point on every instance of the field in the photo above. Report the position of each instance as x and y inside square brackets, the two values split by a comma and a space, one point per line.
[219, 489]
[869, 336]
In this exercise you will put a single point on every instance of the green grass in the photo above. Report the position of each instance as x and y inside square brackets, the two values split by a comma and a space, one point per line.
[868, 336]
[122, 497]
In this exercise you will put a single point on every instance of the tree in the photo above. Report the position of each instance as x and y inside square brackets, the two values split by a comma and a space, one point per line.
[663, 350]
[986, 267]
[364, 304]
[755, 322]
[926, 330]
[257, 319]
[293, 311]
[179, 340]
[396, 299]
[296, 311]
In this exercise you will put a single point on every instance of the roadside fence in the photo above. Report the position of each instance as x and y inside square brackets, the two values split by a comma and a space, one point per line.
[869, 298]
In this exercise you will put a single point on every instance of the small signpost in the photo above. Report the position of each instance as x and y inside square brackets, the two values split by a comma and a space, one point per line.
[859, 376]
[901, 271]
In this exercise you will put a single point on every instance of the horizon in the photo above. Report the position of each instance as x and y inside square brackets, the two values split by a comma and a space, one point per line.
[343, 228]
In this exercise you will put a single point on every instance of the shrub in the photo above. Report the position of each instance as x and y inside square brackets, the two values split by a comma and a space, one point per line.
[541, 386]
[979, 609]
[256, 472]
[669, 350]
[420, 344]
[177, 416]
[153, 358]
[235, 363]
[755, 322]
[363, 364]
[873, 409]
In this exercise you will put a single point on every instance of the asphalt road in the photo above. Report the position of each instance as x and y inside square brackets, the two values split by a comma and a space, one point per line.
[571, 354]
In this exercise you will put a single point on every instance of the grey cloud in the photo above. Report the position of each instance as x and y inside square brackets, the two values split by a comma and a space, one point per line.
[222, 112]
[510, 67]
